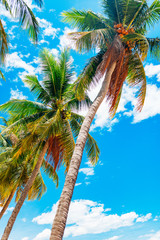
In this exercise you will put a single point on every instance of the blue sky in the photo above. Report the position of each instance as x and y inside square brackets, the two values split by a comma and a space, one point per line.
[119, 198]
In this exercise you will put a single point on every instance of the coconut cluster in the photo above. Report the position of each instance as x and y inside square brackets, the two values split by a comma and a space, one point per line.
[122, 31]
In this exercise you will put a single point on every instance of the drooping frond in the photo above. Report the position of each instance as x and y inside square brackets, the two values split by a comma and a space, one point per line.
[39, 2]
[6, 5]
[26, 17]
[113, 110]
[136, 77]
[1, 75]
[3, 44]
[38, 188]
[55, 152]
[84, 20]
[154, 47]
[92, 150]
[85, 41]
[86, 78]
[49, 170]
[91, 146]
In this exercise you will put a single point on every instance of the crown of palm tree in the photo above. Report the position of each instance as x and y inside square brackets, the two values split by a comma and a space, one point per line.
[120, 36]
[53, 117]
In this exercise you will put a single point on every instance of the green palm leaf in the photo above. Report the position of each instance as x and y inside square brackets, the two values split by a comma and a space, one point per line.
[154, 47]
[3, 44]
[35, 87]
[84, 20]
[136, 77]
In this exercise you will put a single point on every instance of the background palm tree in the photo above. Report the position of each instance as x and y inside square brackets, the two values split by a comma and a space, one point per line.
[121, 37]
[52, 123]
[18, 9]
[14, 173]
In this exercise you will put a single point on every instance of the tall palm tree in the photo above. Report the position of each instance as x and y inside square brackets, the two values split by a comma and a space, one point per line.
[52, 122]
[121, 37]
[18, 9]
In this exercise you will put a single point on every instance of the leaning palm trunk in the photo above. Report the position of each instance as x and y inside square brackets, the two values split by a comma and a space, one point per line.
[65, 199]
[7, 203]
[24, 194]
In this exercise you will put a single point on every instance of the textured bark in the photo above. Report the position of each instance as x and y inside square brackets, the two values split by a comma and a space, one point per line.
[7, 203]
[24, 194]
[65, 199]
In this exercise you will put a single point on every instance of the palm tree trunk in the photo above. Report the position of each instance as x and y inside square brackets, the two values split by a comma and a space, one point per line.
[7, 203]
[65, 199]
[24, 194]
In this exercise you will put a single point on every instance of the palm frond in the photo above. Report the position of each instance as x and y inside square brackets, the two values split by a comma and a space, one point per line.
[2, 76]
[39, 2]
[35, 87]
[85, 41]
[26, 17]
[52, 73]
[154, 47]
[91, 146]
[84, 20]
[49, 170]
[23, 107]
[136, 77]
[3, 44]
[38, 188]
[86, 78]
[148, 16]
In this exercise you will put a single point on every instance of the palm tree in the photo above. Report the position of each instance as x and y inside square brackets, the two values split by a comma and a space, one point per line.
[51, 122]
[18, 9]
[121, 37]
[15, 174]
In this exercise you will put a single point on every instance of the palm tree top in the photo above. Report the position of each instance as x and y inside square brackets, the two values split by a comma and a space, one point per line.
[52, 117]
[121, 37]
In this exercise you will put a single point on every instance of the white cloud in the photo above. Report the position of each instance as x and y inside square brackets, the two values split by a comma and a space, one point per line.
[14, 60]
[10, 209]
[87, 171]
[144, 218]
[43, 41]
[151, 236]
[44, 235]
[88, 217]
[48, 29]
[150, 109]
[54, 51]
[17, 94]
[152, 70]
[25, 238]
[151, 106]
[24, 219]
[78, 184]
[65, 40]
[113, 238]
[52, 10]
[156, 218]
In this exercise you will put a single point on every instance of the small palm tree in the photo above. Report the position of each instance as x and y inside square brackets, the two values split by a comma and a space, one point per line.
[121, 37]
[18, 9]
[14, 174]
[51, 122]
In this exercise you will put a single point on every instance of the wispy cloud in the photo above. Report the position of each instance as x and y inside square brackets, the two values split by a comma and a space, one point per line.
[17, 94]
